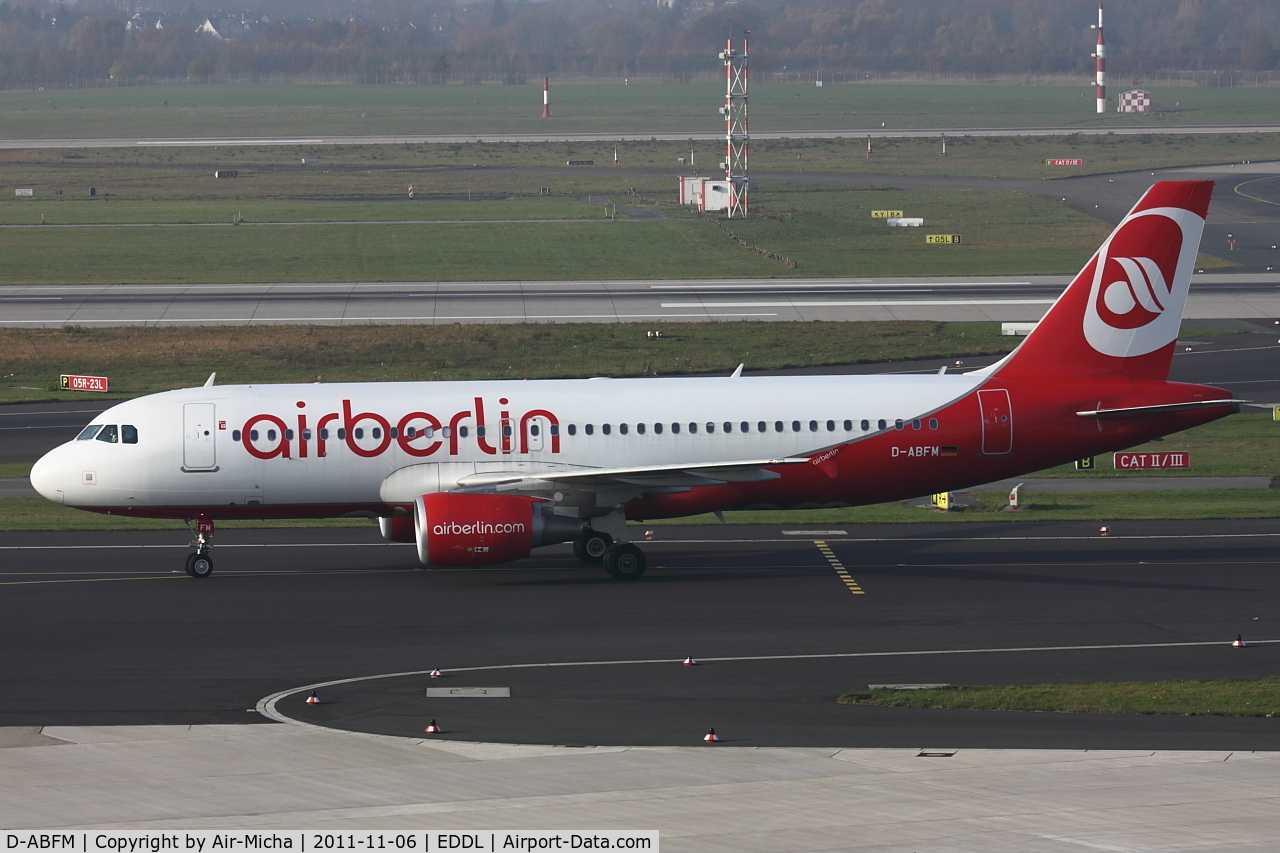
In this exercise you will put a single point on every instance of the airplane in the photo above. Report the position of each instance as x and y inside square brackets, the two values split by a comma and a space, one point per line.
[479, 473]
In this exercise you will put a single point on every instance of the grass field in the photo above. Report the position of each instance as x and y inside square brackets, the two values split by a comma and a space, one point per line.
[269, 110]
[143, 361]
[1226, 697]
[826, 231]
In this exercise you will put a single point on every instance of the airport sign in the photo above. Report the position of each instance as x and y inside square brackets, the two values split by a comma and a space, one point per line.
[1149, 461]
[942, 238]
[886, 214]
[84, 383]
[1055, 161]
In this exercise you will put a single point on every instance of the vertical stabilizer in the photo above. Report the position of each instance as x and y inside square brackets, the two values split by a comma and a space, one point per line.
[1122, 312]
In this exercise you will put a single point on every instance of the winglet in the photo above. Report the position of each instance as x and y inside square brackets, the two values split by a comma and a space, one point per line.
[208, 383]
[737, 374]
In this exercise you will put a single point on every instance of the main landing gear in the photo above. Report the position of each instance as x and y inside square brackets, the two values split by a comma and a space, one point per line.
[200, 564]
[621, 560]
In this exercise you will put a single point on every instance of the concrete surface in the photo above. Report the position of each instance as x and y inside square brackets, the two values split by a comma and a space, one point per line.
[699, 798]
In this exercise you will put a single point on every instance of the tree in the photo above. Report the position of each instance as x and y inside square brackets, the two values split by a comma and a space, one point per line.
[199, 67]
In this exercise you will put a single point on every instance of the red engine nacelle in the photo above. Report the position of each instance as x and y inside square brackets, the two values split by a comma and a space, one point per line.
[480, 530]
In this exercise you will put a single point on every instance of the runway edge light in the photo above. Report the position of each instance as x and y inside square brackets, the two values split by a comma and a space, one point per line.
[435, 673]
[432, 728]
[710, 737]
[313, 699]
[689, 661]
[1238, 642]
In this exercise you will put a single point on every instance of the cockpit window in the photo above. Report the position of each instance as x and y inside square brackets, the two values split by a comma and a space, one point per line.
[89, 432]
[110, 434]
[129, 434]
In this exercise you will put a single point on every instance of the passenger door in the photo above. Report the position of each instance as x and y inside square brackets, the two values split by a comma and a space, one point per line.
[997, 422]
[198, 431]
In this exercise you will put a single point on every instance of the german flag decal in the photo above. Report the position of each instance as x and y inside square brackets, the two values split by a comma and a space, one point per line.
[949, 451]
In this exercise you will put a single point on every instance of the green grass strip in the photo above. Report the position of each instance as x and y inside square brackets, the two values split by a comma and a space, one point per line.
[1220, 697]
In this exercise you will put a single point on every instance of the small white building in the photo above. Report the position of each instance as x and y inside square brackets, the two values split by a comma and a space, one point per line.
[704, 193]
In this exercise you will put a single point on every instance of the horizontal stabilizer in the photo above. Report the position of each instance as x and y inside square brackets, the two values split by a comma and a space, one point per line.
[1168, 408]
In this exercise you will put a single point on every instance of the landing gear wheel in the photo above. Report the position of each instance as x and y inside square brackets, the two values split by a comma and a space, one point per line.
[591, 547]
[199, 565]
[624, 561]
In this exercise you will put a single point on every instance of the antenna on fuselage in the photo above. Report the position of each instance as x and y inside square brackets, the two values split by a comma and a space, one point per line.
[942, 370]
[737, 374]
[208, 383]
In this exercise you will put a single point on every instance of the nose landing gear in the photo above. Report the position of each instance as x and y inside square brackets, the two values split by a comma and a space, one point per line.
[200, 564]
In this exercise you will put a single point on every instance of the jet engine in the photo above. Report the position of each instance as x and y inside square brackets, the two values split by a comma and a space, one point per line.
[479, 530]
[398, 528]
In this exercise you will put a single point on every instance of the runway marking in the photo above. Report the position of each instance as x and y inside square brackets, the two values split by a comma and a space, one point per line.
[267, 705]
[839, 567]
[857, 284]
[1236, 189]
[260, 321]
[874, 303]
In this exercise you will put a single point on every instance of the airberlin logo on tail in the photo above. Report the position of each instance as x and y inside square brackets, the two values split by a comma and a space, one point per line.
[1140, 280]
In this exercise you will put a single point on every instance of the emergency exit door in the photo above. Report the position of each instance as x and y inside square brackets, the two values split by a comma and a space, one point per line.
[997, 422]
[198, 431]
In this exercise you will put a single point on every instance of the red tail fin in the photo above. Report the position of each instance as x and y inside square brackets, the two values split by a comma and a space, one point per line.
[1121, 314]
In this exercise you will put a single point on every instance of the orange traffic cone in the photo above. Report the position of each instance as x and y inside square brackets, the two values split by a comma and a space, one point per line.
[435, 673]
[710, 737]
[432, 728]
[689, 661]
[1104, 531]
[1238, 642]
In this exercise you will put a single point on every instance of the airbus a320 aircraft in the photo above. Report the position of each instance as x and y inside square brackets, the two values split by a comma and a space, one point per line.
[477, 473]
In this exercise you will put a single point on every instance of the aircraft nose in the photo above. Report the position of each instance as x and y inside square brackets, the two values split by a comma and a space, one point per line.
[46, 477]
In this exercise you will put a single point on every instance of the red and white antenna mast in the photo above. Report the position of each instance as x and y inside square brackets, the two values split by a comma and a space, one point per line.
[735, 118]
[546, 97]
[1101, 55]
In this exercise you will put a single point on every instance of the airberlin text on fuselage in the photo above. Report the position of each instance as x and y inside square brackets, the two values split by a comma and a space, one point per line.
[416, 433]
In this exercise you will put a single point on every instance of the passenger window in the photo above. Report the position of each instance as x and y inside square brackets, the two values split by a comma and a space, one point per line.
[795, 426]
[777, 426]
[728, 427]
[880, 424]
[831, 426]
[447, 432]
[622, 428]
[675, 428]
[306, 435]
[640, 428]
[288, 434]
[746, 427]
[555, 429]
[915, 423]
[479, 431]
[657, 428]
[462, 431]
[109, 434]
[813, 426]
[693, 428]
[933, 423]
[590, 429]
[711, 427]
[377, 432]
[573, 429]
[235, 435]
[506, 430]
[324, 433]
[253, 435]
[533, 429]
[271, 435]
[342, 434]
[428, 431]
[89, 432]
[760, 427]
[848, 426]
[898, 424]
[395, 432]
[606, 429]
[128, 434]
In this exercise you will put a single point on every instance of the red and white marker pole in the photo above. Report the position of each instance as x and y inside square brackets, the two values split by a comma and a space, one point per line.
[1101, 55]
[546, 97]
